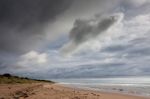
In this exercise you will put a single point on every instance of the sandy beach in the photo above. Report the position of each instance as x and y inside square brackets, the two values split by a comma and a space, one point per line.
[54, 91]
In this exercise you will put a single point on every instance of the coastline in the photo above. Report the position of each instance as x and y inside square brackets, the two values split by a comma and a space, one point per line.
[138, 86]
[56, 91]
[106, 92]
[110, 89]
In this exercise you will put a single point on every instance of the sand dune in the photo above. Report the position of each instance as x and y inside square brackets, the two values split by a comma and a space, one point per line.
[54, 91]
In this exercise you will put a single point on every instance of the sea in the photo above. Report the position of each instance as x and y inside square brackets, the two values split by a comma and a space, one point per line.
[139, 86]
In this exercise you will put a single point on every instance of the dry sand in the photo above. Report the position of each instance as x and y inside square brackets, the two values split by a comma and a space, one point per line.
[54, 91]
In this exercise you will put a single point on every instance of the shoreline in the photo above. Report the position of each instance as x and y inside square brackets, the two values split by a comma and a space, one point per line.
[56, 91]
[116, 91]
[104, 91]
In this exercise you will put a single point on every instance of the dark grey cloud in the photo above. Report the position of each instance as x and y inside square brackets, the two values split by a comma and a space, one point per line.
[22, 22]
[85, 30]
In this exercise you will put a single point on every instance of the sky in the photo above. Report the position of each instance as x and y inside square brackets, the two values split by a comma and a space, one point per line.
[75, 38]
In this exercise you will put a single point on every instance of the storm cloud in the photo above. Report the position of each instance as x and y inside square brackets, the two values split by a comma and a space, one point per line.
[85, 30]
[22, 22]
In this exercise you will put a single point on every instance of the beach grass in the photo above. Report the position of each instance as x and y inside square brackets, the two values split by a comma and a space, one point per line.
[9, 79]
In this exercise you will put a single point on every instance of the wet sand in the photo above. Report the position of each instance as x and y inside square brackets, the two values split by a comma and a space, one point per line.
[55, 91]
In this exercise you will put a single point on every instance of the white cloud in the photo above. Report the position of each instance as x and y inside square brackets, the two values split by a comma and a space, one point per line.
[33, 58]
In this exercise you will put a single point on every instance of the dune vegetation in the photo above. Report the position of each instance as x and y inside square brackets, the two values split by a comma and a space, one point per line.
[10, 79]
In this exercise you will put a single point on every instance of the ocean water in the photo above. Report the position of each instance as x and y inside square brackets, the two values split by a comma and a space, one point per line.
[127, 85]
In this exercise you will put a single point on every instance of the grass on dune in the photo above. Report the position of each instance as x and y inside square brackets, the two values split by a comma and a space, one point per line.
[9, 79]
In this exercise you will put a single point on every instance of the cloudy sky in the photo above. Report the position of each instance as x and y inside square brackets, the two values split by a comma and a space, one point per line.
[75, 38]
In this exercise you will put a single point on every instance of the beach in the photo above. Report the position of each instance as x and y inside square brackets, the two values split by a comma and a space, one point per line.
[55, 91]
